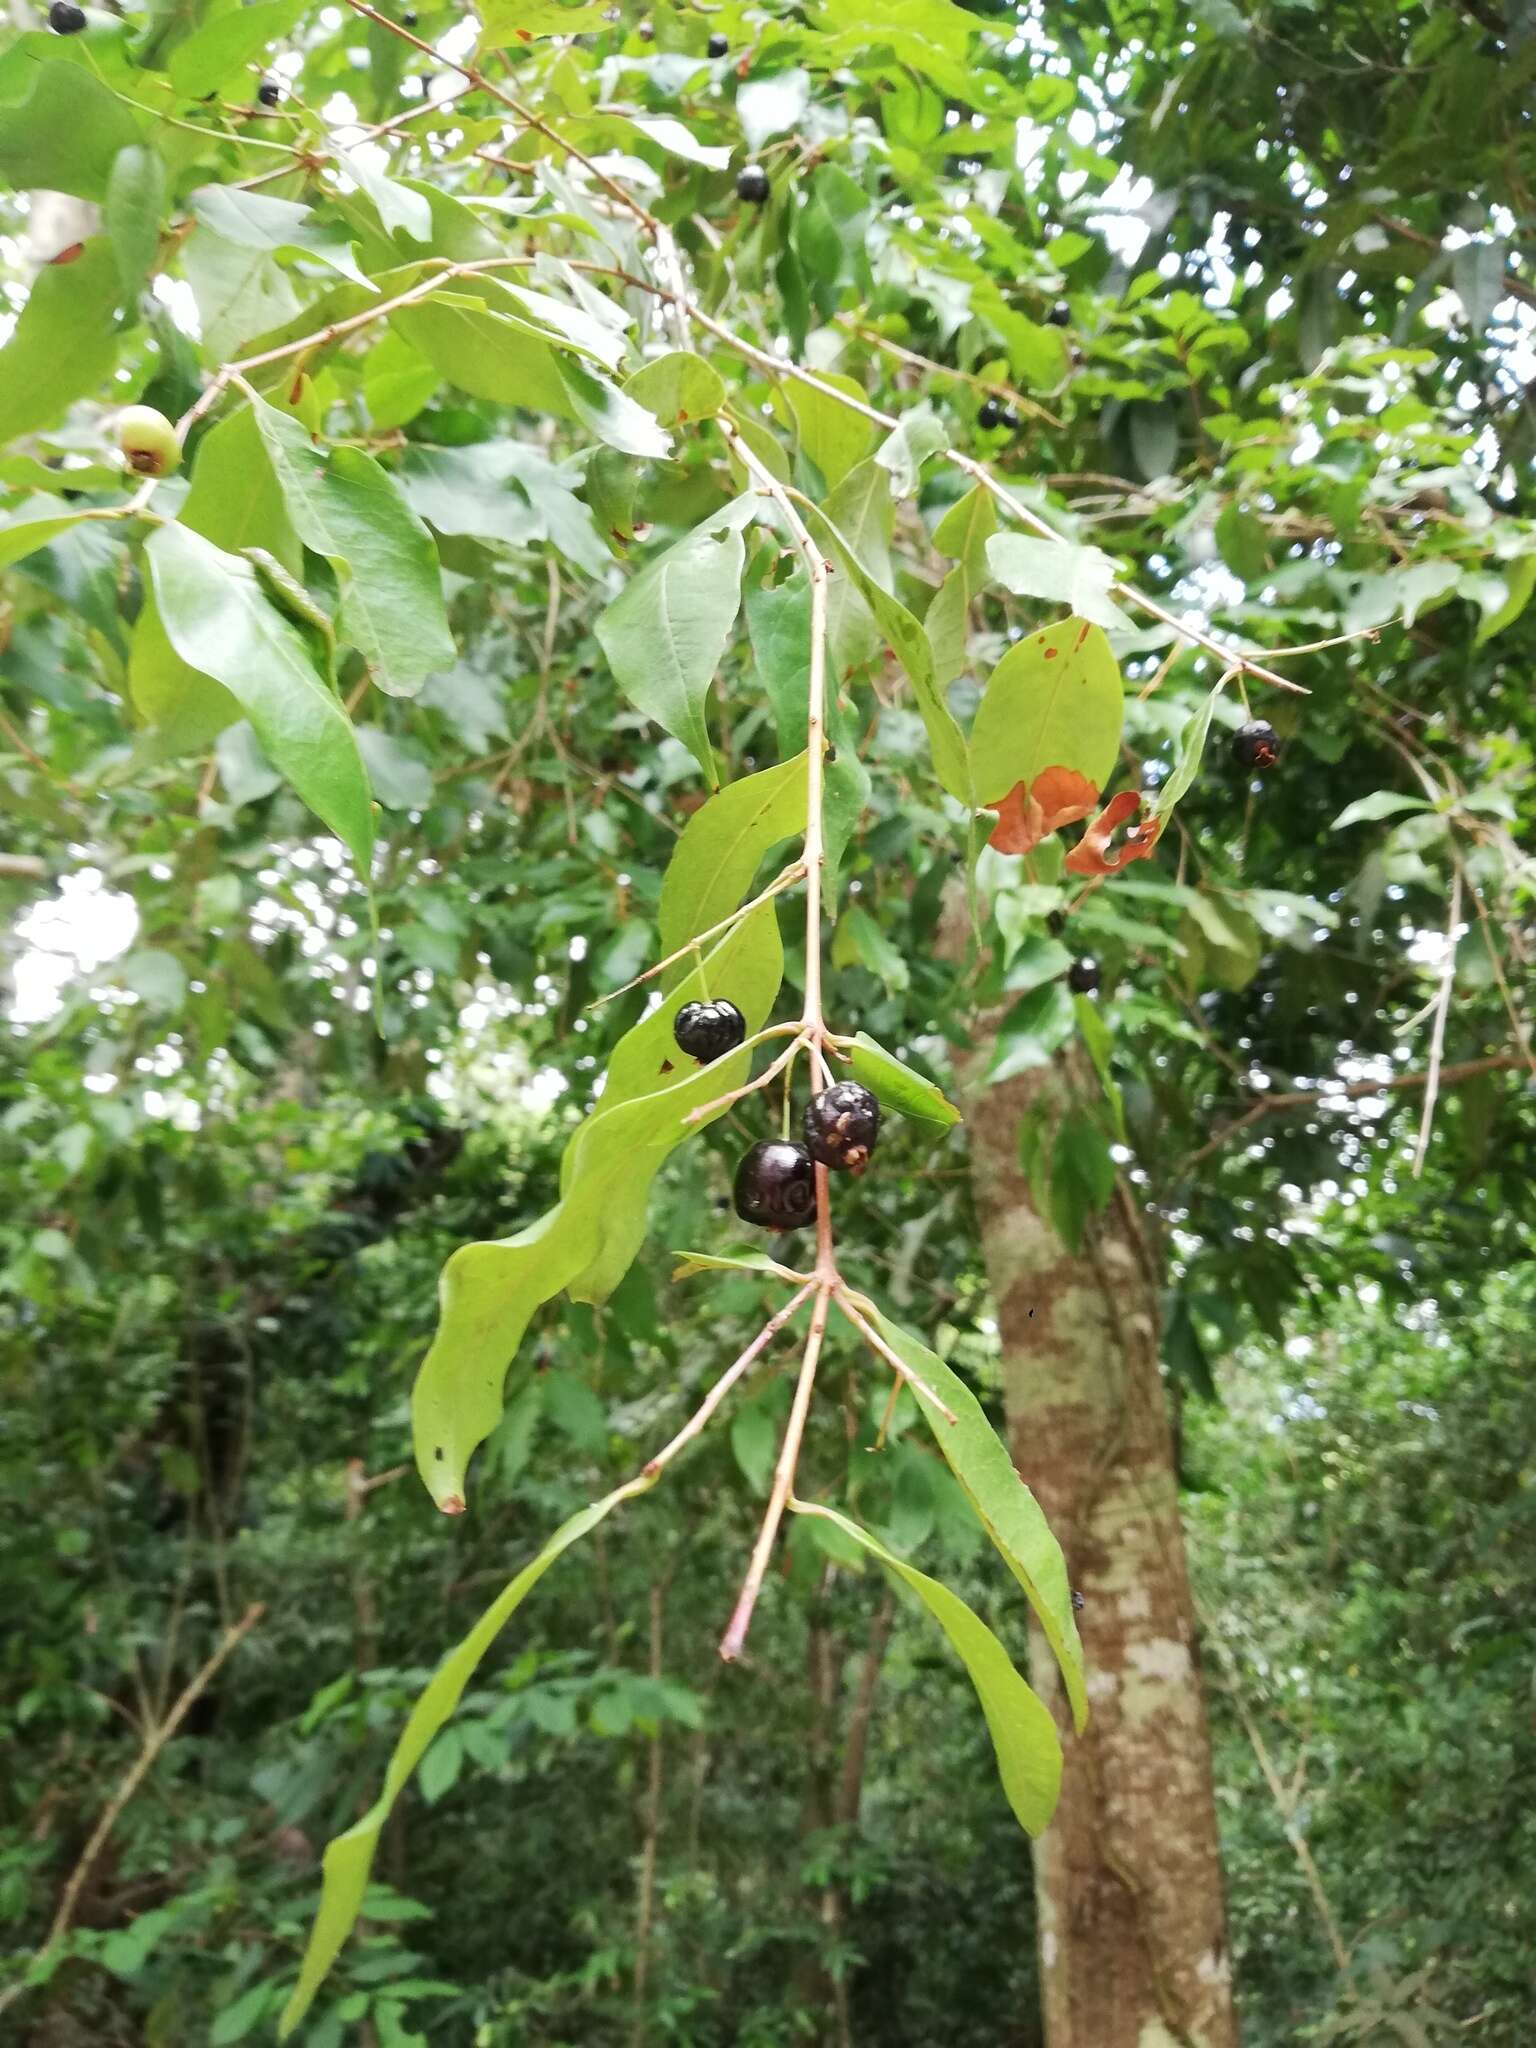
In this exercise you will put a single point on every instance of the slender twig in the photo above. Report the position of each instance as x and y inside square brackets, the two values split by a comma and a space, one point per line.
[783, 1479]
[724, 1384]
[780, 882]
[1437, 1036]
[893, 1359]
[697, 1116]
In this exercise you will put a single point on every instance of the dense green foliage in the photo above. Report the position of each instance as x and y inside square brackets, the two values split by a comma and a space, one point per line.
[383, 716]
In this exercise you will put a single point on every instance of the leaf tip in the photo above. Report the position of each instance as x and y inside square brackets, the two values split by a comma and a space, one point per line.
[452, 1504]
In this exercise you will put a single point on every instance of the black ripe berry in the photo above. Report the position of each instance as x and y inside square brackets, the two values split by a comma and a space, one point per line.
[1009, 421]
[1256, 744]
[1083, 976]
[706, 1031]
[989, 414]
[719, 44]
[752, 185]
[1060, 314]
[776, 1185]
[65, 19]
[408, 19]
[842, 1126]
[269, 92]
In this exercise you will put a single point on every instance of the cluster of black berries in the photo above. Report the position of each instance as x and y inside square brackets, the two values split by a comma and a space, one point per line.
[993, 413]
[776, 1180]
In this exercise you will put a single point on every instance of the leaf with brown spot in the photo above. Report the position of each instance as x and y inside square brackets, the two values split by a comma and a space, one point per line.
[1091, 855]
[1058, 796]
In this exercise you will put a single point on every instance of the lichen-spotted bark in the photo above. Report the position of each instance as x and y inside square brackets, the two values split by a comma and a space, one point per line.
[1128, 1878]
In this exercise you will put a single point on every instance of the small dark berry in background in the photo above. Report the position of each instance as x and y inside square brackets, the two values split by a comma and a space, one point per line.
[269, 92]
[776, 1185]
[719, 44]
[1056, 923]
[408, 19]
[706, 1031]
[65, 19]
[989, 415]
[1060, 314]
[1083, 976]
[1009, 420]
[842, 1126]
[752, 185]
[1256, 744]
[1078, 1602]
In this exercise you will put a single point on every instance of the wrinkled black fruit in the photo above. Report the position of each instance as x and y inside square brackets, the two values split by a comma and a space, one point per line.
[990, 415]
[776, 1185]
[1083, 976]
[842, 1126]
[752, 185]
[269, 92]
[707, 1030]
[1060, 314]
[719, 44]
[1256, 744]
[65, 19]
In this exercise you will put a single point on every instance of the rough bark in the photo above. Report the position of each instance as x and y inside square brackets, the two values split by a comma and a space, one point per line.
[1128, 1878]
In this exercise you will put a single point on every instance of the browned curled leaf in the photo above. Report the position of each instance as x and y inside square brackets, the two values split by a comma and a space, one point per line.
[1057, 796]
[1092, 854]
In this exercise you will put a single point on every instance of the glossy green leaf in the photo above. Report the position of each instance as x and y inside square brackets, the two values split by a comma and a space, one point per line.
[509, 23]
[1006, 1508]
[1078, 577]
[859, 941]
[895, 1086]
[721, 849]
[678, 388]
[63, 346]
[65, 136]
[32, 524]
[1053, 701]
[224, 48]
[255, 220]
[919, 434]
[219, 620]
[1024, 1737]
[907, 641]
[136, 192]
[587, 1242]
[666, 633]
[349, 1858]
[347, 507]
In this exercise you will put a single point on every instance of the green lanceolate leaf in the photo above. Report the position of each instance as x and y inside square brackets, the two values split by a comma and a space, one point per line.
[665, 634]
[721, 849]
[919, 435]
[588, 1241]
[220, 621]
[349, 509]
[1077, 577]
[1191, 751]
[909, 643]
[349, 1858]
[896, 1086]
[1007, 1509]
[1054, 701]
[1024, 1737]
[63, 346]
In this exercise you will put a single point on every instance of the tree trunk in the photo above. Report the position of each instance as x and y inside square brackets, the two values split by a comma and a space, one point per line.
[1128, 1876]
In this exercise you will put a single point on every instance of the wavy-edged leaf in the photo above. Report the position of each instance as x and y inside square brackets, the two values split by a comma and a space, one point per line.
[1008, 1511]
[587, 1242]
[1024, 1737]
[721, 849]
[348, 508]
[1053, 701]
[217, 617]
[665, 634]
[349, 1858]
[896, 1086]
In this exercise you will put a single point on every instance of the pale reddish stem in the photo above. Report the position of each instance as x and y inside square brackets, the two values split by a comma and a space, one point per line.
[783, 1481]
[724, 1384]
[893, 1359]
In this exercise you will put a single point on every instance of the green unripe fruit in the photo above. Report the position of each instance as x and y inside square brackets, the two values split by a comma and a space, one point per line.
[148, 441]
